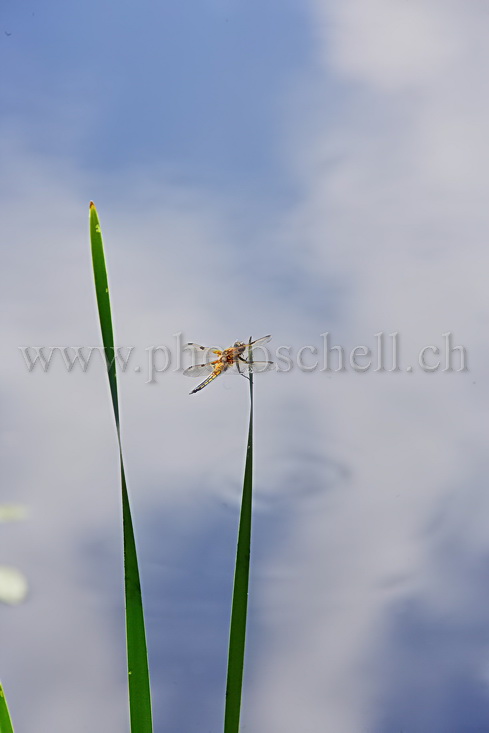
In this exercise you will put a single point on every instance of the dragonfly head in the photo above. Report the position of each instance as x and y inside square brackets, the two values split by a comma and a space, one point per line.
[238, 344]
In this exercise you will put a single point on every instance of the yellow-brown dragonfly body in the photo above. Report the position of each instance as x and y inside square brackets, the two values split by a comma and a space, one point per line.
[230, 360]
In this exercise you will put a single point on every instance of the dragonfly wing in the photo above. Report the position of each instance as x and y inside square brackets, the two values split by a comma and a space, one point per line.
[244, 367]
[199, 370]
[260, 342]
[202, 349]
[260, 366]
[258, 348]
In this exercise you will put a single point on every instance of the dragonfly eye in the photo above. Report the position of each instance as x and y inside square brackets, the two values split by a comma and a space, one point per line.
[238, 343]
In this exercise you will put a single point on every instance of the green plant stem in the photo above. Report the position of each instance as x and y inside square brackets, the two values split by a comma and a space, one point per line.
[237, 632]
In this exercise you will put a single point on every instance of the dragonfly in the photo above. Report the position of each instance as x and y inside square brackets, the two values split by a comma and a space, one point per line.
[231, 360]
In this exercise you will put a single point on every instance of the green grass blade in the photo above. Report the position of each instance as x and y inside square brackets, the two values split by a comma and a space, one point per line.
[239, 610]
[5, 722]
[137, 655]
[103, 303]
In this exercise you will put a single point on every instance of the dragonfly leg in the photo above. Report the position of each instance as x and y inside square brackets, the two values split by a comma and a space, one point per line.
[240, 358]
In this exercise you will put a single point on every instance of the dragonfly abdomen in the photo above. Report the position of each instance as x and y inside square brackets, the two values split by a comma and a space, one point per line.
[217, 371]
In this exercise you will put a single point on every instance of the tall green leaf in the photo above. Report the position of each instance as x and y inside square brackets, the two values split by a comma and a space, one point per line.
[5, 722]
[137, 655]
[239, 610]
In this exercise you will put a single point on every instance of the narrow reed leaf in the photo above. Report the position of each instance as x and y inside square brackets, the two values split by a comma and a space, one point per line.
[5, 722]
[137, 655]
[237, 632]
[103, 303]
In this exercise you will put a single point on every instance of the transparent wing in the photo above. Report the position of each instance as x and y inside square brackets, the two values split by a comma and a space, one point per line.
[259, 350]
[259, 366]
[260, 342]
[199, 370]
[202, 349]
[195, 347]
